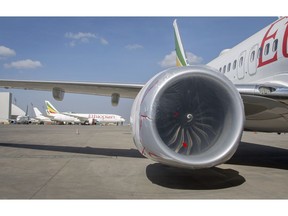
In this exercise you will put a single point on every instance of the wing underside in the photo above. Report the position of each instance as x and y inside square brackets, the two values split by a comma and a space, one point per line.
[266, 107]
[102, 89]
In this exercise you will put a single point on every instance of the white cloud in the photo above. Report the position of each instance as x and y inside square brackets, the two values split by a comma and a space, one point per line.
[6, 52]
[103, 41]
[170, 59]
[24, 64]
[193, 59]
[83, 37]
[80, 35]
[72, 43]
[133, 46]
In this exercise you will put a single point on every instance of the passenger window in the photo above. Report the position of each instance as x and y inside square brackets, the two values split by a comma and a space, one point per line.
[224, 69]
[220, 69]
[229, 67]
[252, 56]
[241, 62]
[259, 52]
[234, 64]
[266, 50]
[275, 45]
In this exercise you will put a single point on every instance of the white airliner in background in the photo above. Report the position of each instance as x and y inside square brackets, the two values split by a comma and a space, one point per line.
[53, 113]
[97, 118]
[88, 118]
[24, 119]
[40, 117]
[194, 116]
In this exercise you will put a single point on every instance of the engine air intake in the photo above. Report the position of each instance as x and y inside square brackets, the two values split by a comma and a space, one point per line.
[190, 115]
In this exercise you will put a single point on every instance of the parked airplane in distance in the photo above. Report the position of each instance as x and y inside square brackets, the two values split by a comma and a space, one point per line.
[89, 118]
[23, 119]
[194, 116]
[40, 117]
[97, 118]
[53, 113]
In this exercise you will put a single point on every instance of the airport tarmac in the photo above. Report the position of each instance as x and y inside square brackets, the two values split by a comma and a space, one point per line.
[98, 162]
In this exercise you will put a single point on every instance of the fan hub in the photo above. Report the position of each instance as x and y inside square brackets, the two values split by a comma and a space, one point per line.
[189, 117]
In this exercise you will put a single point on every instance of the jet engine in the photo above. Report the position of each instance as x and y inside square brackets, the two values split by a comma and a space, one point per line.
[188, 117]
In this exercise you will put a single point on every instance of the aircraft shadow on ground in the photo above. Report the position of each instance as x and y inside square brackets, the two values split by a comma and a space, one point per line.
[250, 154]
[247, 154]
[130, 153]
[204, 179]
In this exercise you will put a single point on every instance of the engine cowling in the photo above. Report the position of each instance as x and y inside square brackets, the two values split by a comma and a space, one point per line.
[188, 117]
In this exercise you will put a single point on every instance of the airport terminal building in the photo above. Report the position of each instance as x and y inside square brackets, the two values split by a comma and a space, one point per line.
[5, 106]
[8, 111]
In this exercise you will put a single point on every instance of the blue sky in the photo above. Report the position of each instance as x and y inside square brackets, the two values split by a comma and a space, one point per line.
[107, 49]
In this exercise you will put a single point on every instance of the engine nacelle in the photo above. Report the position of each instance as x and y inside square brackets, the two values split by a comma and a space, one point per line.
[58, 93]
[189, 117]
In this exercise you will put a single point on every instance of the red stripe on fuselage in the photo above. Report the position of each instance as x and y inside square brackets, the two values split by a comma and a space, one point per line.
[272, 35]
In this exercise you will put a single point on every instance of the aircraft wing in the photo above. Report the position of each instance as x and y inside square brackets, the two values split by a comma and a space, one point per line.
[260, 101]
[131, 90]
[266, 106]
[263, 95]
[60, 87]
[268, 90]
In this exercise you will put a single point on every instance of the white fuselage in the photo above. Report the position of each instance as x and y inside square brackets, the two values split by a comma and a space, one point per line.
[63, 118]
[260, 59]
[42, 118]
[100, 118]
[22, 120]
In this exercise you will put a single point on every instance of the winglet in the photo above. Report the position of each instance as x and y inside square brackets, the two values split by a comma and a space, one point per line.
[181, 59]
[50, 109]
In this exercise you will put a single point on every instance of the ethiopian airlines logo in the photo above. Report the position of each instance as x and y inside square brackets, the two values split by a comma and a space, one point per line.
[50, 109]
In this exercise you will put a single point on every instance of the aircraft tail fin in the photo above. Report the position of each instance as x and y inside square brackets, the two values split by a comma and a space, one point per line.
[50, 109]
[181, 59]
[37, 112]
